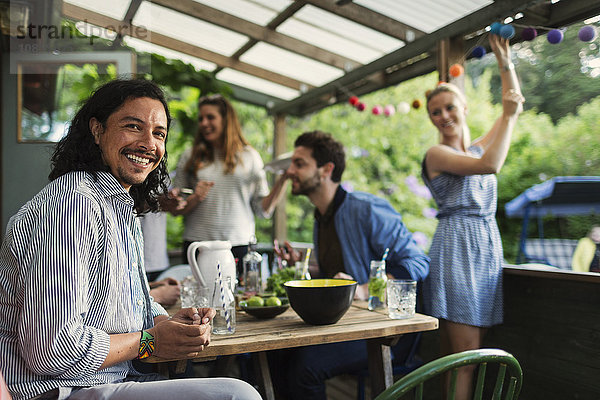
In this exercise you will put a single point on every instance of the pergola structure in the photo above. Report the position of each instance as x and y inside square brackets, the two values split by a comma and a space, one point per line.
[295, 57]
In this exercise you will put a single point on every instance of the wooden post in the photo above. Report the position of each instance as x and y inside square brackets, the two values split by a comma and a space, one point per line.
[279, 147]
[451, 51]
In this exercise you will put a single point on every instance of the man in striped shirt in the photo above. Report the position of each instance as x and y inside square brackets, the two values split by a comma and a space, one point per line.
[75, 308]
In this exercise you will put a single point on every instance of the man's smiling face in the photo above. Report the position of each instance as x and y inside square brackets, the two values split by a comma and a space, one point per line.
[133, 141]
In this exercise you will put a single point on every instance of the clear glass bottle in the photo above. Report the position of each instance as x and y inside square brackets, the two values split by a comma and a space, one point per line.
[252, 263]
[377, 285]
[223, 302]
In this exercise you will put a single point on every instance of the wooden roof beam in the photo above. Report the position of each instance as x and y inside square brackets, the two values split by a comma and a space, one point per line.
[82, 14]
[369, 18]
[273, 24]
[258, 32]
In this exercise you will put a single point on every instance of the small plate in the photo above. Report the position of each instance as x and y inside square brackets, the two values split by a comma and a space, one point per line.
[267, 312]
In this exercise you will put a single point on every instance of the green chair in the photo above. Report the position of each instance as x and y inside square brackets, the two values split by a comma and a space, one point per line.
[482, 357]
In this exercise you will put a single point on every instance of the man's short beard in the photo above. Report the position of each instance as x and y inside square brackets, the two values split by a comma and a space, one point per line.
[309, 186]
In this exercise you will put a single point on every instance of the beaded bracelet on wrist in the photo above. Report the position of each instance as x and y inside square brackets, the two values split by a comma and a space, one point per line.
[146, 345]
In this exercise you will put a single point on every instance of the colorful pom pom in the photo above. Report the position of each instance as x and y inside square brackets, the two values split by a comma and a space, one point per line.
[416, 104]
[495, 28]
[353, 100]
[403, 107]
[456, 70]
[507, 32]
[389, 110]
[555, 36]
[360, 106]
[377, 110]
[478, 51]
[587, 33]
[529, 34]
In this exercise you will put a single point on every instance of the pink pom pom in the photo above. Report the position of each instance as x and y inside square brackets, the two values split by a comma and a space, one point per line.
[389, 110]
[377, 110]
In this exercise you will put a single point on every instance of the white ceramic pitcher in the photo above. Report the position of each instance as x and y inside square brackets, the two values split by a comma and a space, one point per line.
[204, 264]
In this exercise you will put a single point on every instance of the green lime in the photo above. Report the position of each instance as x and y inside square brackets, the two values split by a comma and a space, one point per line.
[273, 301]
[255, 301]
[243, 303]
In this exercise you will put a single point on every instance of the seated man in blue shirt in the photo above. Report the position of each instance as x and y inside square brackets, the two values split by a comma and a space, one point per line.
[350, 230]
[75, 308]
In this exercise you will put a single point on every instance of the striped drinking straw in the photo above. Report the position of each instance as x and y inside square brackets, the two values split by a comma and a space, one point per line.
[223, 303]
[385, 253]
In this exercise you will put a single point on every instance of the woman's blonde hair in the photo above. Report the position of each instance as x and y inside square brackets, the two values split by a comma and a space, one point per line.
[233, 141]
[446, 88]
[453, 89]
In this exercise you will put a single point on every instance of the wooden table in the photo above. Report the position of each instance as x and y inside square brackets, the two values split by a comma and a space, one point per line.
[288, 330]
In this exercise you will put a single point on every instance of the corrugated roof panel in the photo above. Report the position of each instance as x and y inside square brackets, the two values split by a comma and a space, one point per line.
[347, 29]
[290, 64]
[188, 29]
[425, 15]
[260, 14]
[142, 45]
[112, 8]
[338, 35]
[257, 84]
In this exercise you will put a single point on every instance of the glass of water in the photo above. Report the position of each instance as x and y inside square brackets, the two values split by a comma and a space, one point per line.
[194, 295]
[401, 298]
[223, 302]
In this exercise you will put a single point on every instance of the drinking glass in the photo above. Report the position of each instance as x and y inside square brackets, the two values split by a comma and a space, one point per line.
[401, 298]
[223, 302]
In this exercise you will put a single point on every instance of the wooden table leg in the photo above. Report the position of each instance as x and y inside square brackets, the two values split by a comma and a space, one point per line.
[380, 366]
[263, 375]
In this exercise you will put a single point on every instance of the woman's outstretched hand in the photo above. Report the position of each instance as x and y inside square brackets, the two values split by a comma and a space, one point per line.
[501, 49]
[512, 99]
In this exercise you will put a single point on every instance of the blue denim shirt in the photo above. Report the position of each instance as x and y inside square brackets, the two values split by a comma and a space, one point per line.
[366, 225]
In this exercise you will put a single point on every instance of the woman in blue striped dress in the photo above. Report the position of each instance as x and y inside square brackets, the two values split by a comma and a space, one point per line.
[464, 286]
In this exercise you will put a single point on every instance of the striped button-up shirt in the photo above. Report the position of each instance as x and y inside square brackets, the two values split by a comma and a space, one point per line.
[71, 274]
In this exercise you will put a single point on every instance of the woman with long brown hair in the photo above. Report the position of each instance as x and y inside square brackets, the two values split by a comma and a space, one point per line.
[228, 180]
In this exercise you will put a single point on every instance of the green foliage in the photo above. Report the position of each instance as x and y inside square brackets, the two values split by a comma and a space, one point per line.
[275, 282]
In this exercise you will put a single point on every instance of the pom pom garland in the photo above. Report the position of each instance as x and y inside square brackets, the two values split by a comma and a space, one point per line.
[478, 51]
[555, 36]
[529, 34]
[456, 70]
[587, 33]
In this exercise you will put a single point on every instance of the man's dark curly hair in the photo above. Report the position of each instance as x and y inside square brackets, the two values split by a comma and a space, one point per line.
[78, 151]
[324, 149]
